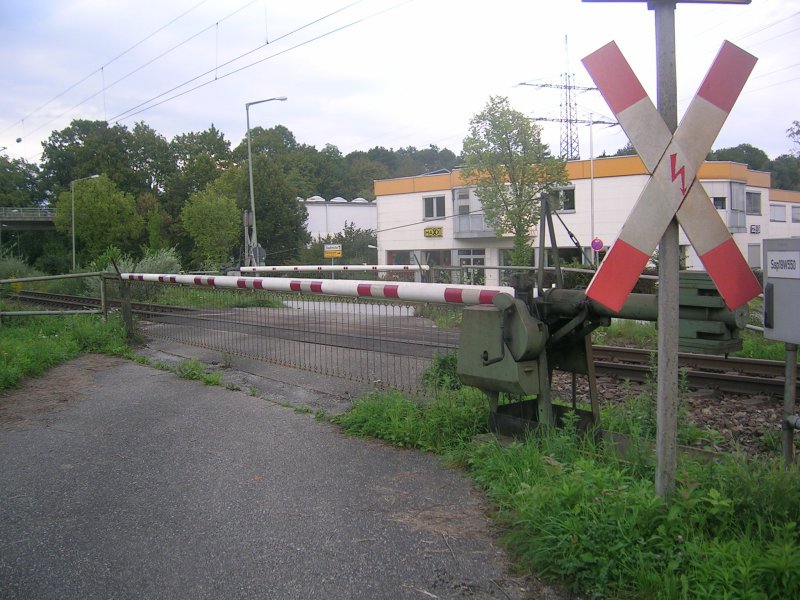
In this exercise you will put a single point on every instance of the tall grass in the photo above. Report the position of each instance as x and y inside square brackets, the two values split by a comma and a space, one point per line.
[575, 513]
[31, 345]
[627, 333]
[439, 425]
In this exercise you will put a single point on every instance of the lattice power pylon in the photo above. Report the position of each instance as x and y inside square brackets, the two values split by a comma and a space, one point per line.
[570, 147]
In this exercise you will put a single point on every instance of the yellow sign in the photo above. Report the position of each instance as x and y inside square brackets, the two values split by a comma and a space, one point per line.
[332, 251]
[434, 232]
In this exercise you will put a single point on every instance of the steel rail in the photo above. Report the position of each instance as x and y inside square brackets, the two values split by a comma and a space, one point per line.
[704, 362]
[53, 299]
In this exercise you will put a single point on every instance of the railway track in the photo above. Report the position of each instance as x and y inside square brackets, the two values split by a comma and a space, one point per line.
[726, 374]
[67, 301]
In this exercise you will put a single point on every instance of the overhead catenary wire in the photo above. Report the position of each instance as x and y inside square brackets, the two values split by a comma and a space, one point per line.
[144, 106]
[129, 113]
[93, 73]
[140, 67]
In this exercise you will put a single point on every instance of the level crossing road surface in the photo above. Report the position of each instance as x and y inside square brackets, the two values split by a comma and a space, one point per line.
[123, 481]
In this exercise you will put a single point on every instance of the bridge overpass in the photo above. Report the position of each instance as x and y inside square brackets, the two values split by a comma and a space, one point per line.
[18, 218]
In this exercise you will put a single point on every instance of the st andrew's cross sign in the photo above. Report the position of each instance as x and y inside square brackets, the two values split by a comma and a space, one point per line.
[672, 190]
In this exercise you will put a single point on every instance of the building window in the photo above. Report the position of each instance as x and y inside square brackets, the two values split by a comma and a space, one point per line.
[563, 199]
[398, 257]
[777, 213]
[434, 207]
[754, 256]
[753, 203]
[736, 214]
[796, 214]
[467, 260]
[719, 202]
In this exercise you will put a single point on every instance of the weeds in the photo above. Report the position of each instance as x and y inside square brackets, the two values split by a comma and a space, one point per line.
[214, 378]
[191, 368]
[442, 374]
[575, 513]
[627, 333]
[30, 346]
[438, 425]
[444, 317]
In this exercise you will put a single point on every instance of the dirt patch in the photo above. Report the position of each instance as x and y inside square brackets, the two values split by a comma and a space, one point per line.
[58, 388]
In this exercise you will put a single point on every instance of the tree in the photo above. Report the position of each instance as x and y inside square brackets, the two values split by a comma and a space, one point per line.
[793, 133]
[156, 222]
[151, 157]
[19, 183]
[104, 216]
[505, 159]
[211, 219]
[88, 148]
[626, 150]
[199, 159]
[355, 243]
[786, 172]
[280, 218]
[363, 172]
[753, 157]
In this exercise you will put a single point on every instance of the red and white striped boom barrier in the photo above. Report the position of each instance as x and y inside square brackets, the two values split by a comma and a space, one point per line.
[440, 293]
[332, 268]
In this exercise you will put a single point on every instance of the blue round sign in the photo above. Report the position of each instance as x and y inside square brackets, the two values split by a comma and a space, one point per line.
[597, 244]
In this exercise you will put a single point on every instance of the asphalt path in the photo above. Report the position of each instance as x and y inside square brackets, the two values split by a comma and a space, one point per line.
[123, 481]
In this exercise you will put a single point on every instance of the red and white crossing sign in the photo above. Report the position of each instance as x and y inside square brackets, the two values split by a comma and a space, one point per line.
[673, 161]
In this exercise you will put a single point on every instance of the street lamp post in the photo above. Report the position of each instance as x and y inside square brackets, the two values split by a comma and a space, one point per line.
[253, 258]
[72, 191]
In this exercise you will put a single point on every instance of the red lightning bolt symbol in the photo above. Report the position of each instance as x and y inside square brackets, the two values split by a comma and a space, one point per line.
[673, 159]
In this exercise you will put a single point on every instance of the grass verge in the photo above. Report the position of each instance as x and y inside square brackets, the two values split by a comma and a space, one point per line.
[575, 513]
[31, 345]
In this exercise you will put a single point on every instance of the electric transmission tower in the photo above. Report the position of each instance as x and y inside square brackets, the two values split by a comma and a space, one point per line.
[570, 148]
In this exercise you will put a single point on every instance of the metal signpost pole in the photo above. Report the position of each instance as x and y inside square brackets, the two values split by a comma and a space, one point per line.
[720, 256]
[668, 267]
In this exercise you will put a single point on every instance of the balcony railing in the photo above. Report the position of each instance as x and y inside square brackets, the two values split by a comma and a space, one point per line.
[472, 225]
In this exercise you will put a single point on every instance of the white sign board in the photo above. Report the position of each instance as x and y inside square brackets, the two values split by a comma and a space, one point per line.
[782, 290]
[783, 264]
[332, 251]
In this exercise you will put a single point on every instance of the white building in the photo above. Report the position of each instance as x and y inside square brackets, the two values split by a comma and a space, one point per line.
[329, 217]
[437, 219]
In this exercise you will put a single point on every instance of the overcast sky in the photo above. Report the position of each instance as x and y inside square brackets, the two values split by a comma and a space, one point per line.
[366, 73]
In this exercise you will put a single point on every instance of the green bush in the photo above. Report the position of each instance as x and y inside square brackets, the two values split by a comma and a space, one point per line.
[154, 261]
[13, 267]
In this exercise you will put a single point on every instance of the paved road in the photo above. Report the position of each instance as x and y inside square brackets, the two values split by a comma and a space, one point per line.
[123, 481]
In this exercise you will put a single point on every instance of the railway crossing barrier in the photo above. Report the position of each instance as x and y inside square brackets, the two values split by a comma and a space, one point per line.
[511, 339]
